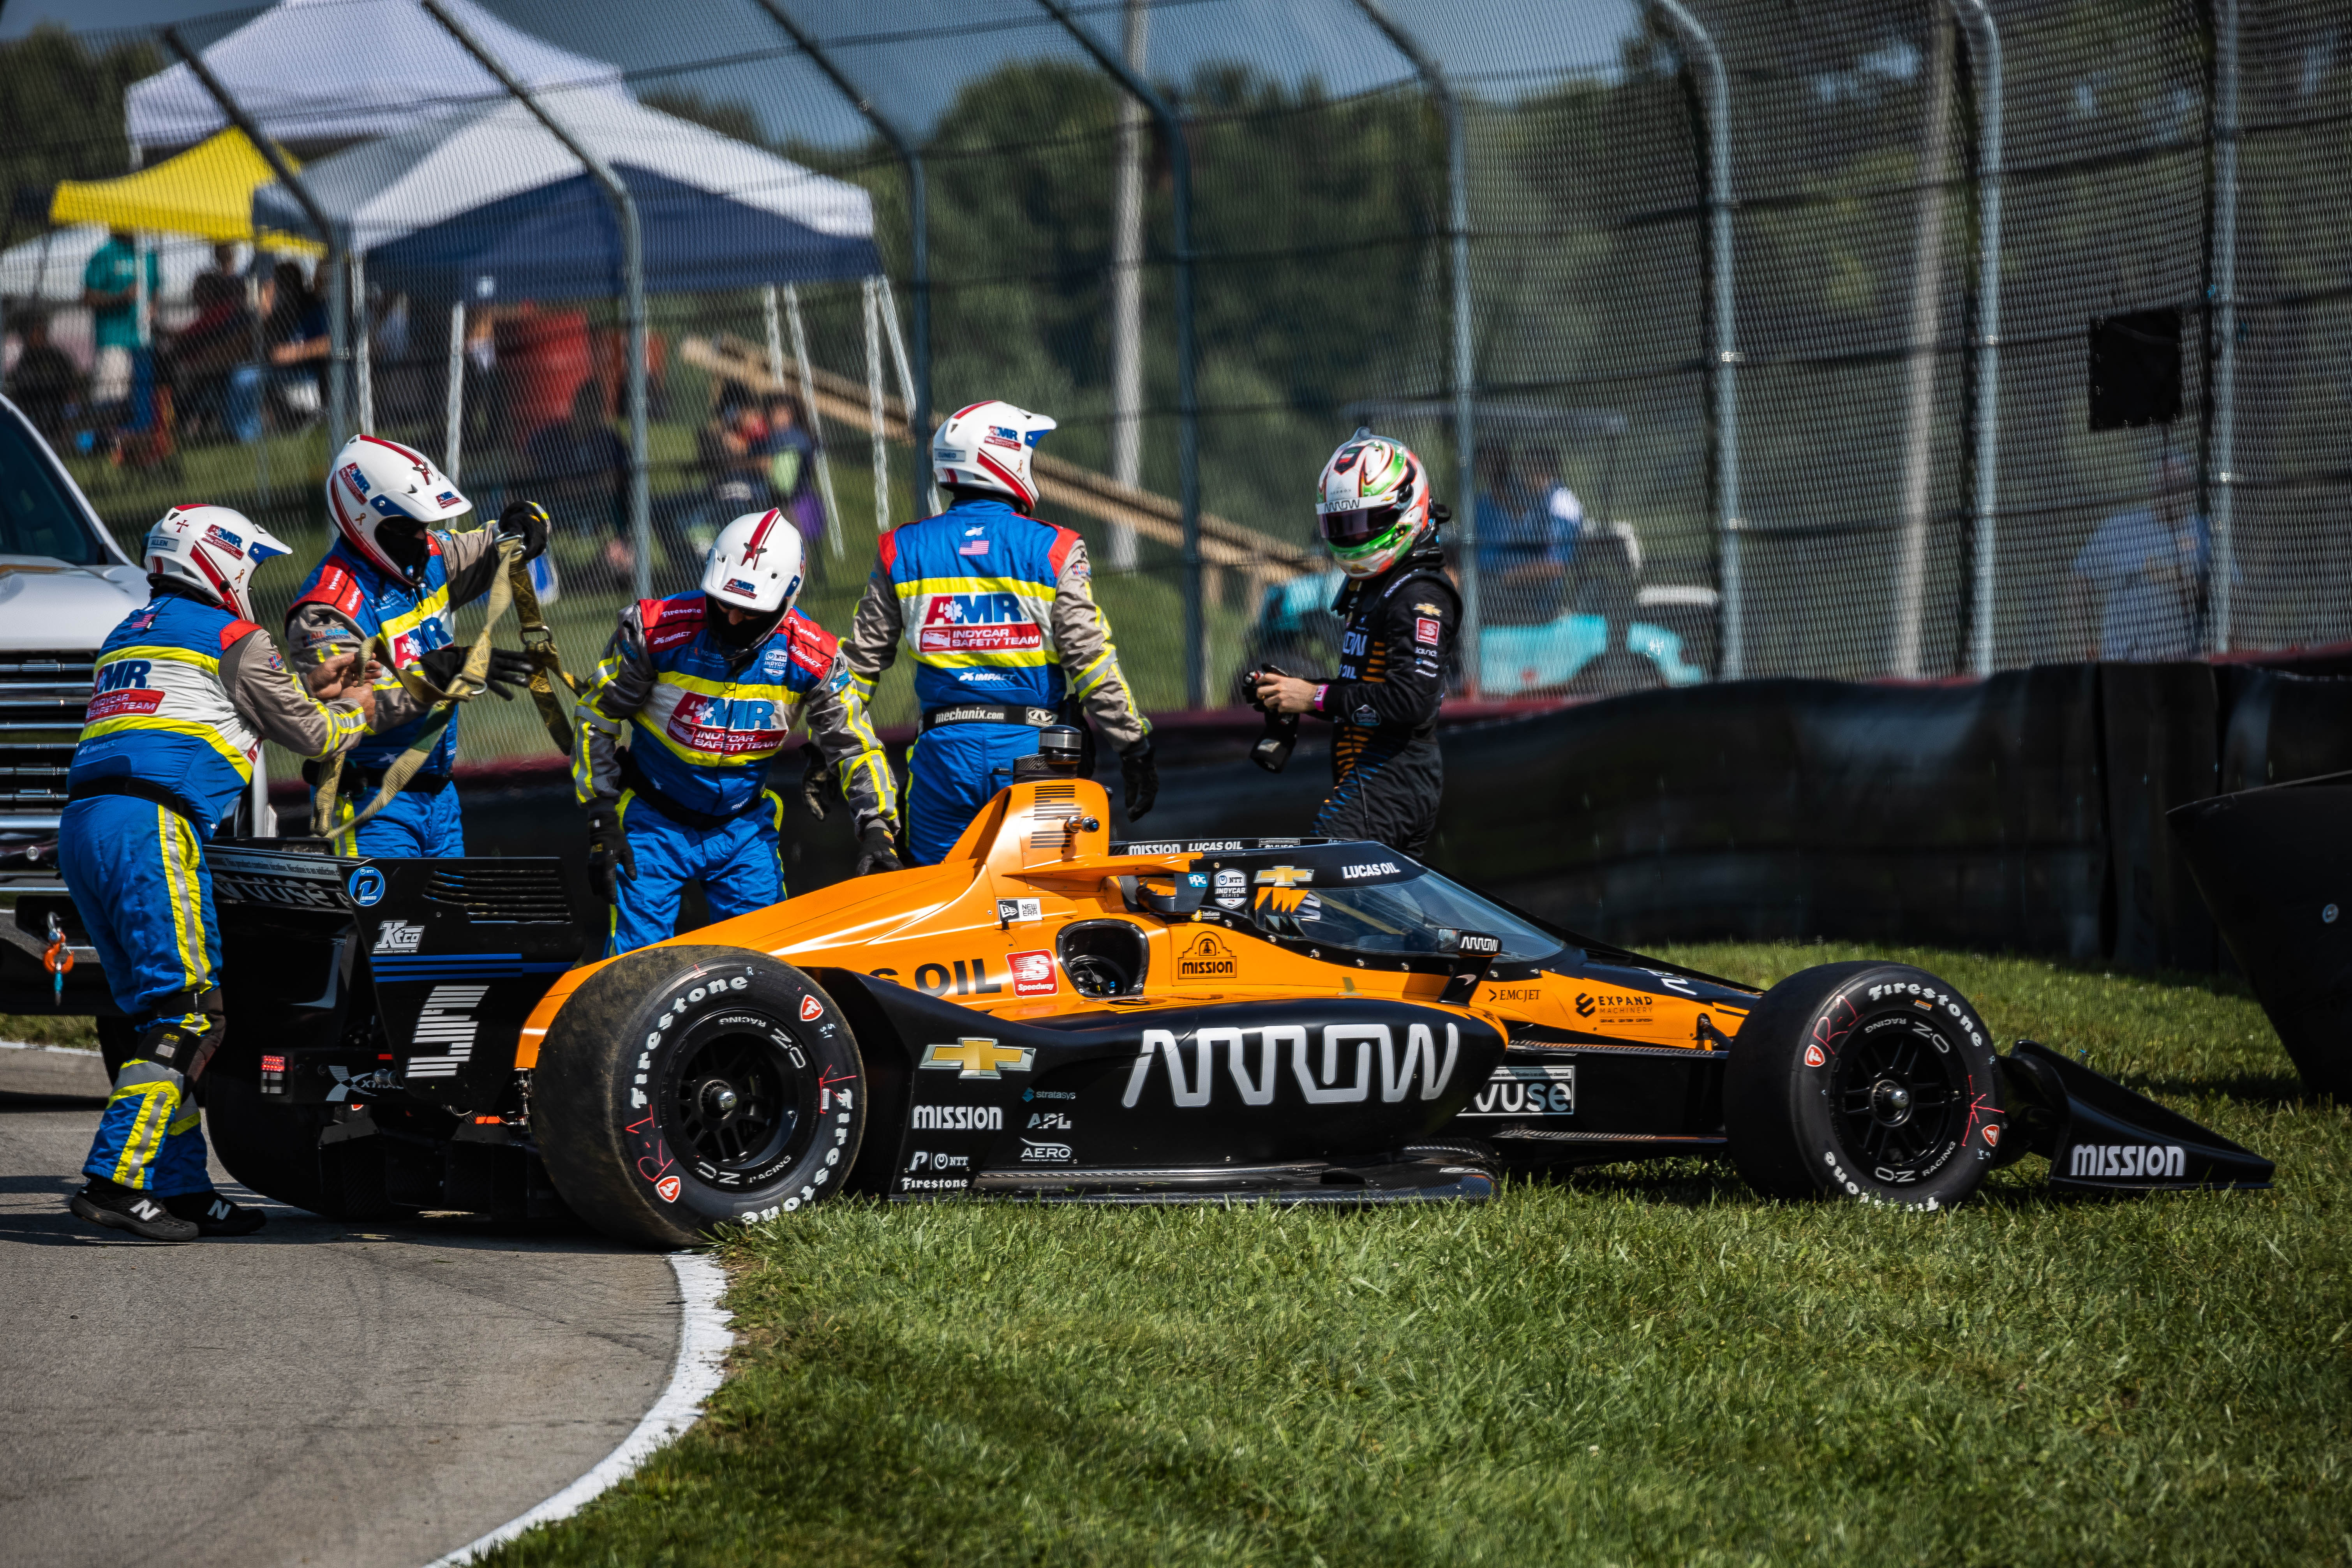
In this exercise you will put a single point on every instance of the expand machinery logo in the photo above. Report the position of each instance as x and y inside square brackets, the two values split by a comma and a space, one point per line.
[972, 1057]
[1208, 958]
[1615, 1007]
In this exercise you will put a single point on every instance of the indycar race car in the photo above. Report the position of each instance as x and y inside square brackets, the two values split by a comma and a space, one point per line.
[1049, 1015]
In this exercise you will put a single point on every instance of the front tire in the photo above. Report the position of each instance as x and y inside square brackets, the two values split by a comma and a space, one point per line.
[1871, 1082]
[683, 1088]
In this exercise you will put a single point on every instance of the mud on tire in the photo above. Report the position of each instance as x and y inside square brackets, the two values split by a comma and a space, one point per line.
[1870, 1082]
[681, 1087]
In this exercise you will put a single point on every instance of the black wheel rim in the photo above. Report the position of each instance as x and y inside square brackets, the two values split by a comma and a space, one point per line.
[737, 1099]
[1899, 1097]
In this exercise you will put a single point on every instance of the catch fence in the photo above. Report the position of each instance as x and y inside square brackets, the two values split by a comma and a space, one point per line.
[1868, 338]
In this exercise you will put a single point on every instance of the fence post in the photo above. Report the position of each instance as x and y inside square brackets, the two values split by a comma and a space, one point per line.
[1723, 337]
[1188, 412]
[1926, 332]
[919, 427]
[1984, 60]
[1465, 388]
[330, 267]
[2220, 455]
[633, 270]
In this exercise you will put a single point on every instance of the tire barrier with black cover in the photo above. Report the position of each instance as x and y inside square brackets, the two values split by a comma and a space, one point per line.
[1868, 1081]
[683, 1088]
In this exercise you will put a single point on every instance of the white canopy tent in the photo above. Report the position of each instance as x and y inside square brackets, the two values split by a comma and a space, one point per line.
[48, 270]
[334, 71]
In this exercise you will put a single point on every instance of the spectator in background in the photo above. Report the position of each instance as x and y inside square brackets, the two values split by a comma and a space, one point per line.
[213, 375]
[731, 448]
[580, 468]
[2141, 585]
[44, 383]
[294, 331]
[791, 451]
[1524, 561]
[110, 287]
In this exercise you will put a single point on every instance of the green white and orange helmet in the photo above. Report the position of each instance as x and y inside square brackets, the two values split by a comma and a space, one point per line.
[1372, 504]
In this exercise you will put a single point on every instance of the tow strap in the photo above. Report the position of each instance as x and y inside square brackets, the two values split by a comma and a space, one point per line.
[511, 588]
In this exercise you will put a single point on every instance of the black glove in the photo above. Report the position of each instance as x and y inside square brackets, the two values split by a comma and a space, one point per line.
[528, 519]
[1143, 775]
[609, 856]
[508, 670]
[877, 851]
[817, 782]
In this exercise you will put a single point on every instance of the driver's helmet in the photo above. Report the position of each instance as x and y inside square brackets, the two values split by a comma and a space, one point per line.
[384, 497]
[986, 447]
[211, 549]
[754, 564]
[1372, 504]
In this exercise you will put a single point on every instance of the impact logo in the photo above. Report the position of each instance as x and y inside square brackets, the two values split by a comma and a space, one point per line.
[1207, 958]
[977, 622]
[2127, 1162]
[1340, 1076]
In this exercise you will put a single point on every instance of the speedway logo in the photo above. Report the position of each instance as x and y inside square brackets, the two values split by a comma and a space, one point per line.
[1033, 974]
[978, 623]
[959, 1119]
[1541, 1090]
[2127, 1162]
[1342, 1075]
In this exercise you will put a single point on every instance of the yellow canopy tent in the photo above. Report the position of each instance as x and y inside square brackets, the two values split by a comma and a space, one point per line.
[206, 191]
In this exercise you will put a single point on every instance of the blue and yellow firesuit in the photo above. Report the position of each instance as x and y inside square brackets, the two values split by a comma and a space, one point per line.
[183, 694]
[704, 719]
[346, 601]
[997, 610]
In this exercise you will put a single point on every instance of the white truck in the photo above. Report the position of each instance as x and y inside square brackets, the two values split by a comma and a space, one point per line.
[64, 585]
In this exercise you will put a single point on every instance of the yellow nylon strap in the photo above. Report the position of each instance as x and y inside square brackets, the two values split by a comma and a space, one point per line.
[510, 589]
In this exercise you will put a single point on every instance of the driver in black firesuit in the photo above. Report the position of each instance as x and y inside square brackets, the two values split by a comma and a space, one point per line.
[1401, 616]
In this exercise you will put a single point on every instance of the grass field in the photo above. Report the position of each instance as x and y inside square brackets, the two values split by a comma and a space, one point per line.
[1638, 1364]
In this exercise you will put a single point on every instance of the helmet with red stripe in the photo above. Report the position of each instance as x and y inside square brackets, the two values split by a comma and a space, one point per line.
[755, 569]
[385, 497]
[985, 446]
[211, 549]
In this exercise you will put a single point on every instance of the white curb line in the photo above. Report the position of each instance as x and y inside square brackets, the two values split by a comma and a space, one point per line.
[59, 1050]
[703, 1341]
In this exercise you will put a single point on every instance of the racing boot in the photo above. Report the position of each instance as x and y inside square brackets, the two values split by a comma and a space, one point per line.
[215, 1214]
[102, 1201]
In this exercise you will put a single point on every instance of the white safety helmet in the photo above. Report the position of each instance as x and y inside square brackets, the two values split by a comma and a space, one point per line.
[754, 564]
[986, 447]
[1372, 504]
[385, 497]
[211, 549]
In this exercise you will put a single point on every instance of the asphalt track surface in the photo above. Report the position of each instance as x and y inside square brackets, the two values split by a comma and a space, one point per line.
[310, 1394]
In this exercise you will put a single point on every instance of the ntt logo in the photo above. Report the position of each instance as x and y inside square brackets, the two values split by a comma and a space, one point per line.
[2127, 1159]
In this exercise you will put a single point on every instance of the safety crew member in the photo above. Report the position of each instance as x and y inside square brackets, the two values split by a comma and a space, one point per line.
[997, 608]
[395, 578]
[187, 688]
[710, 685]
[1401, 615]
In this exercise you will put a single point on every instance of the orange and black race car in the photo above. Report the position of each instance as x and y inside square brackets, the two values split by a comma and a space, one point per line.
[1047, 1014]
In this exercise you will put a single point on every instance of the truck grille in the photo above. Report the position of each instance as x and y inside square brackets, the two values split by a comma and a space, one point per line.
[42, 698]
[528, 895]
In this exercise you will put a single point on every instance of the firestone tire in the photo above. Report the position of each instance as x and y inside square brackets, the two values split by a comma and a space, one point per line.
[680, 1089]
[1868, 1082]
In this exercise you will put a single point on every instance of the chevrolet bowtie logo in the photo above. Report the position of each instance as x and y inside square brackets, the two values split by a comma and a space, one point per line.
[1284, 877]
[972, 1057]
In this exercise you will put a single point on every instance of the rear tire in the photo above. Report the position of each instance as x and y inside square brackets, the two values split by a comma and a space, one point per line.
[1874, 1082]
[684, 1087]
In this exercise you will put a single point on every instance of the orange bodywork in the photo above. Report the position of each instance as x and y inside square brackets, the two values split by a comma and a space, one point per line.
[962, 931]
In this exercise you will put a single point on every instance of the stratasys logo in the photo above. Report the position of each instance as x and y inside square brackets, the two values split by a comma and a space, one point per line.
[2127, 1162]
